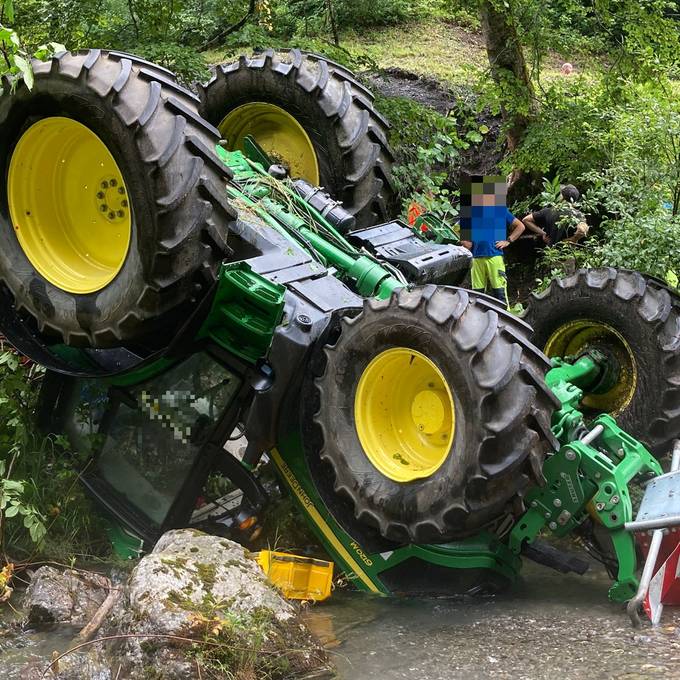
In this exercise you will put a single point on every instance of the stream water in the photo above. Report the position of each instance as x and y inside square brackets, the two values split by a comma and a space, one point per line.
[549, 627]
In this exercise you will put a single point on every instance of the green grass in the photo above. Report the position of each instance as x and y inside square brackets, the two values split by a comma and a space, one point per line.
[440, 49]
[435, 49]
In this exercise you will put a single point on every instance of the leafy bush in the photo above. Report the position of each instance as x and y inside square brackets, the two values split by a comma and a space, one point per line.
[426, 146]
[189, 65]
[648, 244]
[571, 134]
[43, 510]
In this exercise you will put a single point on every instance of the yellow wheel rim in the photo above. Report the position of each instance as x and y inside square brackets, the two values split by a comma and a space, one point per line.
[577, 337]
[405, 415]
[277, 132]
[69, 205]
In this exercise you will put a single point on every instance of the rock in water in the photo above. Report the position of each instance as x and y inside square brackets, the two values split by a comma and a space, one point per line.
[198, 602]
[189, 572]
[67, 596]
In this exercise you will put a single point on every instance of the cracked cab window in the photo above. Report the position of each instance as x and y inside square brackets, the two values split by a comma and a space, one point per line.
[148, 436]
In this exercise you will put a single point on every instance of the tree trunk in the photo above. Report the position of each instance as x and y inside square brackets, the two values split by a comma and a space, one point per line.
[508, 68]
[334, 24]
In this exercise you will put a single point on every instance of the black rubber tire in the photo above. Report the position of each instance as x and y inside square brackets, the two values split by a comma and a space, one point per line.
[337, 113]
[503, 412]
[181, 217]
[647, 314]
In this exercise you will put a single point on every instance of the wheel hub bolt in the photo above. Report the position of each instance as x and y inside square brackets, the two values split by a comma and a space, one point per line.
[105, 185]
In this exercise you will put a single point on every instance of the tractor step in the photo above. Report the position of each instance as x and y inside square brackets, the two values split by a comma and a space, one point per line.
[420, 261]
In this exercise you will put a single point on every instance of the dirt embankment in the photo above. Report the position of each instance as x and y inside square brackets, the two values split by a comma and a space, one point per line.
[481, 158]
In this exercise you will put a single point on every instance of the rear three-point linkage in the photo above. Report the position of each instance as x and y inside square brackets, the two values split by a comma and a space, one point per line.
[589, 475]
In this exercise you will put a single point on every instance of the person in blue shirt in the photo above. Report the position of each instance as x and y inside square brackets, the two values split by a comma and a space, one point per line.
[484, 225]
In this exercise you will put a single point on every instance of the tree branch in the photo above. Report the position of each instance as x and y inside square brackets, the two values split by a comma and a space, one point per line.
[223, 33]
[88, 632]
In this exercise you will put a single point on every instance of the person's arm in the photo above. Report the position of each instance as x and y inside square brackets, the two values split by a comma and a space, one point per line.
[517, 230]
[532, 226]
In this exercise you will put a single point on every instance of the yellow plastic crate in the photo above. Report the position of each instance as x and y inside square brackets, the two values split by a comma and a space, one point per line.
[298, 578]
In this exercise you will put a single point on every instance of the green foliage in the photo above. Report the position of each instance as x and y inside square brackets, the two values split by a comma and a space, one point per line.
[644, 143]
[185, 61]
[648, 243]
[571, 136]
[571, 28]
[427, 146]
[13, 504]
[644, 39]
[638, 227]
[354, 13]
[65, 22]
[17, 396]
[309, 18]
[560, 260]
[43, 510]
[14, 61]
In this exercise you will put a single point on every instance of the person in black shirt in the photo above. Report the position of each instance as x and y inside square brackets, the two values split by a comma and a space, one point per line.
[561, 222]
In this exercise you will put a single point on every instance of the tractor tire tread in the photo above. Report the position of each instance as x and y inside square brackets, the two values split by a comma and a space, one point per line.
[176, 148]
[512, 408]
[654, 305]
[366, 189]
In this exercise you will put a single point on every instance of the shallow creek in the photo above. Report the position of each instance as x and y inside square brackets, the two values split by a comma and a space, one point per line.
[551, 626]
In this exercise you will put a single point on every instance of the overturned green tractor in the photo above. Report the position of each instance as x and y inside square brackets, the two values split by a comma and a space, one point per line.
[188, 267]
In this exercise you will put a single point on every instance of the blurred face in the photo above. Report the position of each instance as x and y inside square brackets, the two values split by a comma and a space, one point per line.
[491, 190]
[487, 191]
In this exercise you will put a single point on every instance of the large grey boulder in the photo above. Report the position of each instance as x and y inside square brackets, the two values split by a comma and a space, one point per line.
[68, 596]
[196, 604]
[190, 572]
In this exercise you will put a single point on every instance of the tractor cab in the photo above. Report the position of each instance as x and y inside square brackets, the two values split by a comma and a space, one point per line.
[151, 444]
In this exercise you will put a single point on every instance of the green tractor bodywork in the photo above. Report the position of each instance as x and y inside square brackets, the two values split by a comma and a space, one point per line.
[588, 476]
[265, 289]
[580, 478]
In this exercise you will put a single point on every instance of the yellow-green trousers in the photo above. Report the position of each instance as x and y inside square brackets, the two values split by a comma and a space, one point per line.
[488, 276]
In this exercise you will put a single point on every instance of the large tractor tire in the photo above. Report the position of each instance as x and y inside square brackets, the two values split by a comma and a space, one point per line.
[313, 117]
[432, 413]
[113, 217]
[635, 321]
